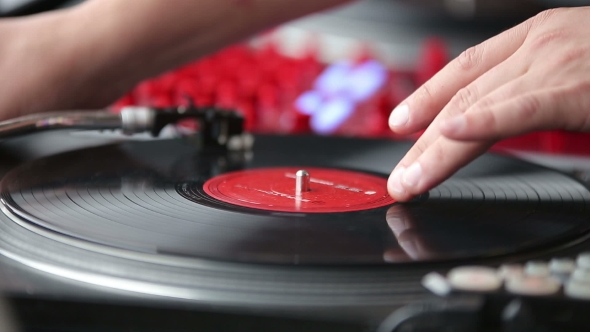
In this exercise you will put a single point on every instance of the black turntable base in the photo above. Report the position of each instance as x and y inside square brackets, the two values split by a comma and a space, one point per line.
[131, 225]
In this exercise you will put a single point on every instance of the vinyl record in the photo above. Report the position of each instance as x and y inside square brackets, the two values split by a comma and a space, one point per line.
[165, 199]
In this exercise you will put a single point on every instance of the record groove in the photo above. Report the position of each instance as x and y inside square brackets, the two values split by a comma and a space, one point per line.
[127, 215]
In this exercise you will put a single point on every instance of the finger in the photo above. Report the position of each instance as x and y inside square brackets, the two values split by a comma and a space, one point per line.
[481, 88]
[452, 124]
[423, 105]
[493, 83]
[461, 101]
[538, 110]
[501, 83]
[439, 161]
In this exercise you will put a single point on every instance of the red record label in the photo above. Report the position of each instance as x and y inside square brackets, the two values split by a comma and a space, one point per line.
[273, 189]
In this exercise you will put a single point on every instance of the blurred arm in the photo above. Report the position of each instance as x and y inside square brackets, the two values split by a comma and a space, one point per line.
[88, 55]
[143, 38]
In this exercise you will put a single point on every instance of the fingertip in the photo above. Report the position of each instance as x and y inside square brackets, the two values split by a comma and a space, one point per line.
[415, 181]
[399, 117]
[394, 183]
[412, 176]
[395, 188]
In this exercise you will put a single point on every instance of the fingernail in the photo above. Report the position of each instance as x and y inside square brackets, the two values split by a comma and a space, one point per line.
[399, 116]
[454, 125]
[412, 175]
[395, 181]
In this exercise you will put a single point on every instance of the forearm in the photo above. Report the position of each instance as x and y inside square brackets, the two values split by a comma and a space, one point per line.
[134, 40]
[87, 56]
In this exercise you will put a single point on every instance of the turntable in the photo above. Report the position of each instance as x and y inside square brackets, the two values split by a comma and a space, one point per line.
[291, 233]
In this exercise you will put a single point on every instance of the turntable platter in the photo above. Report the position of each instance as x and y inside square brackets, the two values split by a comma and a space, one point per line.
[148, 199]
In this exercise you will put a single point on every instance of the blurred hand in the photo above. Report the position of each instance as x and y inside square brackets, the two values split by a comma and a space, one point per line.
[535, 76]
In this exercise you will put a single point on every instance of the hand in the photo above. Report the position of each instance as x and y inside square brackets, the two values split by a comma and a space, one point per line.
[535, 76]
